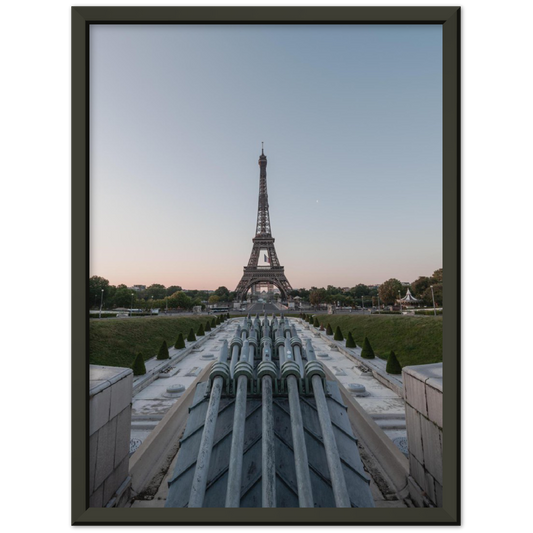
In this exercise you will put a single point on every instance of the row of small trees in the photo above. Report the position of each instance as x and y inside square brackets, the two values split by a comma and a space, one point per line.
[139, 367]
[393, 365]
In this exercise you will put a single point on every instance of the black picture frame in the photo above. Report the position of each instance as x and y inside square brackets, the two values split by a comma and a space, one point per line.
[449, 18]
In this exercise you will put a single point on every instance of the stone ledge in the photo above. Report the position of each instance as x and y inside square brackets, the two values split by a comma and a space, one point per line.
[110, 394]
[102, 377]
[424, 373]
[423, 390]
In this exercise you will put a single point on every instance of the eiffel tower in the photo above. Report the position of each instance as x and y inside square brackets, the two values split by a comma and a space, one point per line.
[263, 241]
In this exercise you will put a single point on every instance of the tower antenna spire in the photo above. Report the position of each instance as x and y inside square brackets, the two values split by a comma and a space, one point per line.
[262, 148]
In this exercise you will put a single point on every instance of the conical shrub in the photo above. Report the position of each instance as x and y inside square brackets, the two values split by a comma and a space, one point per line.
[163, 351]
[200, 332]
[367, 352]
[316, 323]
[305, 316]
[393, 365]
[311, 319]
[321, 327]
[180, 343]
[350, 343]
[213, 323]
[338, 334]
[138, 365]
[208, 326]
[218, 321]
[191, 337]
[329, 330]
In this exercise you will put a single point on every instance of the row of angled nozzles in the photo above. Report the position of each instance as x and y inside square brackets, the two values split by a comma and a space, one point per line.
[279, 352]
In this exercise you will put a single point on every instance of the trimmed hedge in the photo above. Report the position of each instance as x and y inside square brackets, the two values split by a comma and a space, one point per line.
[191, 337]
[338, 334]
[316, 323]
[214, 323]
[329, 329]
[200, 332]
[350, 343]
[393, 365]
[163, 351]
[367, 351]
[180, 343]
[208, 326]
[138, 366]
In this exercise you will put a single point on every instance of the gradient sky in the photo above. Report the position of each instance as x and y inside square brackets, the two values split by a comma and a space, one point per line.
[351, 117]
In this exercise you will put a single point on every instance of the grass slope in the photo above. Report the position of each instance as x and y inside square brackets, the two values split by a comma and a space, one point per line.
[117, 342]
[416, 340]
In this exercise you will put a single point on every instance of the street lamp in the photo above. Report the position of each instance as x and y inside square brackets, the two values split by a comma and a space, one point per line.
[151, 306]
[101, 302]
[433, 298]
[379, 308]
[131, 310]
[400, 300]
[363, 304]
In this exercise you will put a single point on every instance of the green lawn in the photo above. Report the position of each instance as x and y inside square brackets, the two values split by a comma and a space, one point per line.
[116, 342]
[416, 340]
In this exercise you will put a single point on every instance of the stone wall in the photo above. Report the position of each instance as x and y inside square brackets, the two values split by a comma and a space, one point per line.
[423, 413]
[110, 391]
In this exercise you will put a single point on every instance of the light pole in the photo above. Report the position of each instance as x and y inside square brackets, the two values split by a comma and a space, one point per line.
[400, 300]
[101, 302]
[379, 309]
[131, 310]
[363, 304]
[151, 305]
[433, 298]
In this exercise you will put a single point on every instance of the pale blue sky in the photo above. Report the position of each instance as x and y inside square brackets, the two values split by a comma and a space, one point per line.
[351, 117]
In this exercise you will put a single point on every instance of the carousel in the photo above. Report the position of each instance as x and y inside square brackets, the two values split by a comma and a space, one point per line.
[408, 300]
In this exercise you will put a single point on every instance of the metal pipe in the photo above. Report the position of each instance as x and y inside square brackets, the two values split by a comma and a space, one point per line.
[281, 355]
[267, 369]
[233, 492]
[235, 350]
[254, 342]
[303, 479]
[268, 447]
[297, 351]
[196, 497]
[338, 482]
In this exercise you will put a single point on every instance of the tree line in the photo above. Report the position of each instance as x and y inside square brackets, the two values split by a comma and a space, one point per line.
[366, 296]
[174, 297]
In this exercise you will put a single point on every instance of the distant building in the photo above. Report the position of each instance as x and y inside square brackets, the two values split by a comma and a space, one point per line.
[138, 288]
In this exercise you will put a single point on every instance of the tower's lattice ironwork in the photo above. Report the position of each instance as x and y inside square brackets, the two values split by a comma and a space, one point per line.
[263, 242]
